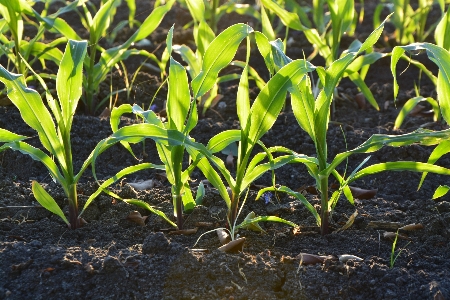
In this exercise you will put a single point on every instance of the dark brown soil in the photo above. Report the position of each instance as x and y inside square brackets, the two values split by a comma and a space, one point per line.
[113, 258]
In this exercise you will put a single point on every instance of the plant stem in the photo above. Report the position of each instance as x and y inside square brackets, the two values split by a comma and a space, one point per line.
[73, 206]
[179, 210]
[232, 213]
[324, 205]
[89, 101]
[215, 4]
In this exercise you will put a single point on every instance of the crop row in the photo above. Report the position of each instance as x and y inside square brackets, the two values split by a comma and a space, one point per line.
[196, 83]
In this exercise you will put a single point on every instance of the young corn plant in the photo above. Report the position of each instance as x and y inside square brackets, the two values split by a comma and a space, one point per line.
[16, 48]
[313, 113]
[203, 36]
[409, 23]
[214, 11]
[182, 117]
[255, 121]
[326, 37]
[441, 57]
[442, 38]
[98, 27]
[55, 135]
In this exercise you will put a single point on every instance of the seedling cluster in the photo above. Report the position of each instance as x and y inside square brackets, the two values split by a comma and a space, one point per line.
[84, 65]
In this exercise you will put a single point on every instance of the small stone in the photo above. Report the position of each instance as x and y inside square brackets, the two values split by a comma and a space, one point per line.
[156, 243]
[36, 243]
[110, 264]
[443, 206]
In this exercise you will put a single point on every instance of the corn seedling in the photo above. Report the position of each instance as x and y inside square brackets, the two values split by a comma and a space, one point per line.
[340, 21]
[214, 11]
[181, 116]
[441, 57]
[55, 135]
[255, 121]
[312, 114]
[409, 23]
[97, 26]
[203, 36]
[393, 256]
[17, 49]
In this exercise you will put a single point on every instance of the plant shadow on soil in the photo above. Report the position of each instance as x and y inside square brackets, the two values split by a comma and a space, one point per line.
[113, 258]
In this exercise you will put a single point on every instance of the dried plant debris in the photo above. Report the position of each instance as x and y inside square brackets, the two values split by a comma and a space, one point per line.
[143, 185]
[391, 236]
[412, 227]
[137, 218]
[235, 246]
[346, 257]
[359, 193]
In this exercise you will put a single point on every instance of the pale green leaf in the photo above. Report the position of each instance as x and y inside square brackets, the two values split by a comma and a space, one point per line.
[47, 201]
[218, 55]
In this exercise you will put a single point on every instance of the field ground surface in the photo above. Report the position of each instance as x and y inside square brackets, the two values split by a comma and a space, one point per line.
[114, 258]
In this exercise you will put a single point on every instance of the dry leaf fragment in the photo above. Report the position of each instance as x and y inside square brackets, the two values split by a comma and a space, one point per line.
[223, 236]
[384, 225]
[412, 227]
[143, 185]
[204, 224]
[361, 101]
[185, 231]
[417, 110]
[349, 221]
[230, 161]
[234, 246]
[391, 236]
[136, 217]
[359, 193]
[438, 296]
[106, 113]
[310, 259]
[89, 268]
[21, 266]
[346, 257]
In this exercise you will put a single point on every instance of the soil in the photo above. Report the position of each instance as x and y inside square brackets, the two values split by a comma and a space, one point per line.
[114, 258]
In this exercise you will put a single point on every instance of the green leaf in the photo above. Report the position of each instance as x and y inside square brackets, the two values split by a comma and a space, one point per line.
[33, 112]
[441, 191]
[200, 194]
[246, 223]
[409, 106]
[221, 140]
[69, 80]
[270, 100]
[400, 166]
[377, 141]
[150, 208]
[298, 196]
[124, 172]
[7, 136]
[302, 101]
[267, 29]
[254, 173]
[38, 155]
[102, 20]
[189, 57]
[265, 49]
[289, 19]
[47, 201]
[218, 55]
[243, 97]
[441, 58]
[441, 149]
[442, 32]
[178, 97]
